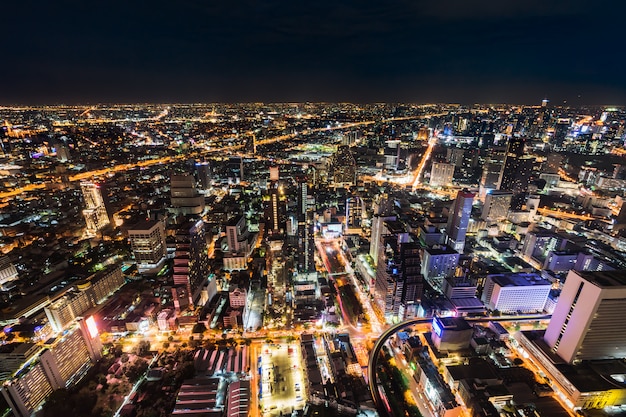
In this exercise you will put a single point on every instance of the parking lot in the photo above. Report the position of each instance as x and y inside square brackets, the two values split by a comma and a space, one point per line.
[282, 386]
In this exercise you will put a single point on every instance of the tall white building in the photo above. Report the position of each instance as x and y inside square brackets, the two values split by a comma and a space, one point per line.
[497, 205]
[458, 220]
[95, 214]
[510, 293]
[147, 241]
[587, 322]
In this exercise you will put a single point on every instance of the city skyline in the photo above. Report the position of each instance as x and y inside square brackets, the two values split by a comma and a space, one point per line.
[467, 52]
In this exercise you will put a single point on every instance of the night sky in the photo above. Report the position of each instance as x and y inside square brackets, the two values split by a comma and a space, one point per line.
[419, 51]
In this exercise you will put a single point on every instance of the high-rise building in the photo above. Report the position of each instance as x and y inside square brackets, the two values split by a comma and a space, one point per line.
[399, 284]
[203, 171]
[511, 293]
[560, 133]
[518, 168]
[586, 323]
[86, 294]
[274, 209]
[64, 361]
[458, 220]
[497, 205]
[492, 170]
[95, 214]
[354, 212]
[455, 156]
[147, 241]
[392, 155]
[191, 264]
[440, 262]
[343, 167]
[185, 199]
[441, 174]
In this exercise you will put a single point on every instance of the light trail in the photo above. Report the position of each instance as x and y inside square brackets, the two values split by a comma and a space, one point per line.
[420, 168]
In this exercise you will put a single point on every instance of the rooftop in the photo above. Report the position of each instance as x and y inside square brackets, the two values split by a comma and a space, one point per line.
[605, 279]
[519, 280]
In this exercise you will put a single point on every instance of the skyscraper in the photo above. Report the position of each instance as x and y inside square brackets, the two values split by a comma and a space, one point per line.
[587, 321]
[343, 166]
[203, 171]
[191, 264]
[185, 199]
[399, 284]
[492, 170]
[354, 212]
[518, 168]
[147, 241]
[95, 214]
[497, 205]
[274, 207]
[560, 133]
[458, 220]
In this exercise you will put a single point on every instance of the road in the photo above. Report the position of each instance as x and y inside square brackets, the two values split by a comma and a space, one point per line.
[420, 167]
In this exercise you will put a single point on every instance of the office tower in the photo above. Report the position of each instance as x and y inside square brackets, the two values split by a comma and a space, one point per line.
[382, 209]
[560, 133]
[185, 199]
[354, 212]
[440, 262]
[587, 322]
[497, 205]
[147, 241]
[306, 261]
[458, 220]
[441, 174]
[236, 229]
[274, 209]
[95, 214]
[234, 169]
[518, 168]
[8, 273]
[343, 167]
[510, 293]
[191, 264]
[398, 286]
[203, 171]
[492, 170]
[455, 156]
[392, 155]
[240, 244]
[61, 365]
[86, 294]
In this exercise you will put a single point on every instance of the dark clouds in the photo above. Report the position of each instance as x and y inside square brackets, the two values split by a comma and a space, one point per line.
[399, 50]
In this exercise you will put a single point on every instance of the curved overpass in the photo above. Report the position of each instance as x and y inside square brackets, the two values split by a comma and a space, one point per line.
[371, 367]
